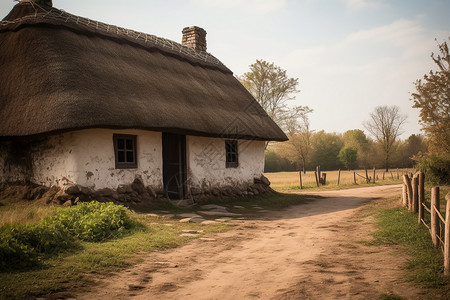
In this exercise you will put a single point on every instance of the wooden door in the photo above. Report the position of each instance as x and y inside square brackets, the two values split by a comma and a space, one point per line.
[174, 165]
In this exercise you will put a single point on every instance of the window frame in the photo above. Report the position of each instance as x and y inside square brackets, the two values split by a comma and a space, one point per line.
[125, 164]
[229, 153]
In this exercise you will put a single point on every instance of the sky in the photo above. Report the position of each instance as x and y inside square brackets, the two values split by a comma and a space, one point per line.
[349, 55]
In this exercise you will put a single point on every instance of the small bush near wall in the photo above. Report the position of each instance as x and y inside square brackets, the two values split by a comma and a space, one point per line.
[21, 245]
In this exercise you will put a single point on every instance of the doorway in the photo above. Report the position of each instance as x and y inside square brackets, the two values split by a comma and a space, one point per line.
[174, 165]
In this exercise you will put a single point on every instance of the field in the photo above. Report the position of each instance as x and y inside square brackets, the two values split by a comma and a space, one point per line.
[285, 181]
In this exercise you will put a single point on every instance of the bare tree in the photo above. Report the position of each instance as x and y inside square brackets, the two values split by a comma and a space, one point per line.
[300, 133]
[272, 88]
[385, 126]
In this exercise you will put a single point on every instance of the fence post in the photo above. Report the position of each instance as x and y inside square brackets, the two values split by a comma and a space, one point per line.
[404, 195]
[407, 181]
[318, 173]
[324, 178]
[339, 176]
[421, 195]
[374, 175]
[317, 179]
[300, 174]
[354, 177]
[447, 237]
[367, 176]
[435, 225]
[415, 197]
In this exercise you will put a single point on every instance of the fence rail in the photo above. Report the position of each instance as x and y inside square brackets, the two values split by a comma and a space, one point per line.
[413, 197]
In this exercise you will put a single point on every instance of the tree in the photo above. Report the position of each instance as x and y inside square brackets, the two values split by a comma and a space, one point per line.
[347, 155]
[325, 150]
[299, 133]
[385, 125]
[272, 88]
[433, 100]
[415, 145]
[357, 139]
[275, 163]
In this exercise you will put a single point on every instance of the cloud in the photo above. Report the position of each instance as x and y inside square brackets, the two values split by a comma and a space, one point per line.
[400, 32]
[363, 4]
[343, 81]
[255, 6]
[401, 40]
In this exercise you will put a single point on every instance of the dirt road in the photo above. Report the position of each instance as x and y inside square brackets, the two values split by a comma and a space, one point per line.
[310, 251]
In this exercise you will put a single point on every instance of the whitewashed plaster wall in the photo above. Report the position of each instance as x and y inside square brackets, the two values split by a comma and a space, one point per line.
[86, 157]
[95, 163]
[48, 156]
[54, 161]
[207, 164]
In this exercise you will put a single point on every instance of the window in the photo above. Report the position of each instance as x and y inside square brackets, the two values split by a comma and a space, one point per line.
[231, 148]
[125, 151]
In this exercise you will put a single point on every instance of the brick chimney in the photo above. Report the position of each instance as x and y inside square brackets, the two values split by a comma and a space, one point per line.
[194, 37]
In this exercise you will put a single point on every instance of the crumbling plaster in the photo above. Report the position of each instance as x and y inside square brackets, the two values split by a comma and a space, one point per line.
[95, 163]
[86, 157]
[207, 166]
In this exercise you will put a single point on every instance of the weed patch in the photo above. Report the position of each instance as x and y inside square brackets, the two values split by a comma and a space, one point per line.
[83, 263]
[23, 245]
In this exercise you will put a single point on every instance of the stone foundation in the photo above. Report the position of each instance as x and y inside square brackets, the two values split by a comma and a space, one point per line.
[135, 193]
[206, 194]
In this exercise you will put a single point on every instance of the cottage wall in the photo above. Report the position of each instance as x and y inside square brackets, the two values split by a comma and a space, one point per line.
[207, 167]
[46, 161]
[95, 162]
[53, 160]
[12, 167]
[84, 157]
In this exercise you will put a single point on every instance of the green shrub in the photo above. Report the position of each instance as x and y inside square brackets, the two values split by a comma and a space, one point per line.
[22, 244]
[14, 254]
[94, 221]
[436, 168]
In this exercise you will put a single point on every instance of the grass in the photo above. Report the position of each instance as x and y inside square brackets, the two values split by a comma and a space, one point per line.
[79, 267]
[391, 296]
[270, 200]
[398, 226]
[23, 211]
[290, 181]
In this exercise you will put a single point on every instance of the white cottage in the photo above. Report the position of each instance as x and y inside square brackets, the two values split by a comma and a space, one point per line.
[100, 110]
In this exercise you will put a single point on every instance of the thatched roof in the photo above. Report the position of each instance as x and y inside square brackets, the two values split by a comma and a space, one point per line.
[60, 72]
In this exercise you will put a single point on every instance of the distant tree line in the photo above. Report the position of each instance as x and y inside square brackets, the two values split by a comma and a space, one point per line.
[351, 150]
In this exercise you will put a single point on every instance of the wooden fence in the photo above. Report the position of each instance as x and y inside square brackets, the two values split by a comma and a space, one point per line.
[321, 177]
[413, 197]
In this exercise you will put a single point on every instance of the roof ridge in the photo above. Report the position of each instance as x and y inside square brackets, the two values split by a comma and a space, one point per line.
[129, 34]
